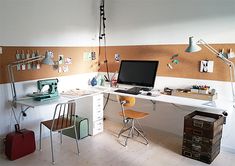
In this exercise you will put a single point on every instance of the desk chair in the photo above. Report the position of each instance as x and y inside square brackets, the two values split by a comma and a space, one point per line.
[130, 117]
[64, 118]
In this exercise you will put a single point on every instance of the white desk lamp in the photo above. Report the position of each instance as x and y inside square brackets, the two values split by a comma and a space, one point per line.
[47, 59]
[193, 47]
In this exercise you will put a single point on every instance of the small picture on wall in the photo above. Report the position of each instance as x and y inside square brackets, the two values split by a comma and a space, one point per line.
[68, 61]
[206, 66]
[65, 69]
[59, 69]
[93, 56]
[117, 57]
[61, 59]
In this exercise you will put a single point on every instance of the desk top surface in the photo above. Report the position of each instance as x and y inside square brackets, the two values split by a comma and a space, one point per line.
[64, 97]
[221, 104]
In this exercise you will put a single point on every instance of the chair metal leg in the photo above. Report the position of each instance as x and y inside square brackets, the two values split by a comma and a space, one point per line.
[132, 126]
[130, 134]
[76, 138]
[52, 152]
[40, 138]
[61, 136]
[141, 129]
[123, 130]
[141, 135]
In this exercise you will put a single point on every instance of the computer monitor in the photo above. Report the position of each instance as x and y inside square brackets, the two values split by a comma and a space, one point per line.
[138, 73]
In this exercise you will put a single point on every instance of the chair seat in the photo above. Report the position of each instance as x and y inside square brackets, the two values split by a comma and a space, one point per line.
[134, 114]
[58, 124]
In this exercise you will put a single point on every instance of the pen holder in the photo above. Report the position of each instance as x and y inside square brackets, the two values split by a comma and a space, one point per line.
[114, 83]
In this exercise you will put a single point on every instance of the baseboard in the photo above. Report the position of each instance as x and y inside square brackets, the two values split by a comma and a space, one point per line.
[228, 149]
[1, 145]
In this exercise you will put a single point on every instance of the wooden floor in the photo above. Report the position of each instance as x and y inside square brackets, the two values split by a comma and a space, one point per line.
[104, 149]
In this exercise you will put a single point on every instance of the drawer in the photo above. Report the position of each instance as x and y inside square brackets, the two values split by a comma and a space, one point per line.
[98, 105]
[98, 101]
[98, 115]
[97, 110]
[97, 127]
[98, 98]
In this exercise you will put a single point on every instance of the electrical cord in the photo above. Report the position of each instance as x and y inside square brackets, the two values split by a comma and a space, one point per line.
[14, 114]
[110, 99]
[102, 35]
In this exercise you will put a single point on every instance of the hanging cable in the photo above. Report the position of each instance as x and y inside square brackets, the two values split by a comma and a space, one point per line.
[102, 36]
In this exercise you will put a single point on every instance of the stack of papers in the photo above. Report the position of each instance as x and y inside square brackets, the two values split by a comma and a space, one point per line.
[73, 93]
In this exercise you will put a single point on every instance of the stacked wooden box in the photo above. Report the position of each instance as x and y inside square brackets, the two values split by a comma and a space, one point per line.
[202, 136]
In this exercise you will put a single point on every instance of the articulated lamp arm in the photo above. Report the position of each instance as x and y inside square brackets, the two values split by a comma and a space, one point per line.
[225, 60]
[11, 74]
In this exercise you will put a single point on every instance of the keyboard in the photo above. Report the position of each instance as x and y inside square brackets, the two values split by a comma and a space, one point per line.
[127, 92]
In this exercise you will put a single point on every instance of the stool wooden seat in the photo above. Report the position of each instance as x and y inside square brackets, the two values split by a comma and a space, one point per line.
[134, 114]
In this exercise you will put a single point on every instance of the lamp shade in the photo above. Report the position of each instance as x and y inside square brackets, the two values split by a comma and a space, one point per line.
[48, 58]
[192, 47]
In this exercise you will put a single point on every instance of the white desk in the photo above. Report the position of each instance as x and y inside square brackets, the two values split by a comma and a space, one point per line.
[95, 113]
[64, 97]
[30, 102]
[219, 104]
[89, 105]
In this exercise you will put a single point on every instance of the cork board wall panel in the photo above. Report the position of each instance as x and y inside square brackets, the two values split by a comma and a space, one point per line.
[79, 65]
[188, 66]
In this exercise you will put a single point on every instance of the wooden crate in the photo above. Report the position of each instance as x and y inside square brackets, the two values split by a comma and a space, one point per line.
[201, 147]
[201, 156]
[202, 136]
[208, 97]
[203, 124]
[202, 140]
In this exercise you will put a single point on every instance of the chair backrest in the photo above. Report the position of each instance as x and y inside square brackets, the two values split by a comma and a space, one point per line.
[64, 115]
[127, 101]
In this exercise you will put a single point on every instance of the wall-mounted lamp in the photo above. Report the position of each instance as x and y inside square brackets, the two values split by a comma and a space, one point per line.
[47, 59]
[193, 47]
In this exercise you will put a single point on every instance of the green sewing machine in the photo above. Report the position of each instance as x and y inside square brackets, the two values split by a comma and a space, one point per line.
[52, 92]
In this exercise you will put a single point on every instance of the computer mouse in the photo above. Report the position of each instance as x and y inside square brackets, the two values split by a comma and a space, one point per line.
[149, 94]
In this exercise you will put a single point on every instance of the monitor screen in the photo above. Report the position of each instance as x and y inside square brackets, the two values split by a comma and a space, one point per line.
[138, 73]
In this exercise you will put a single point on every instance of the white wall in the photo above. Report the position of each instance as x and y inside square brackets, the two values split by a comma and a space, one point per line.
[136, 22]
[49, 23]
